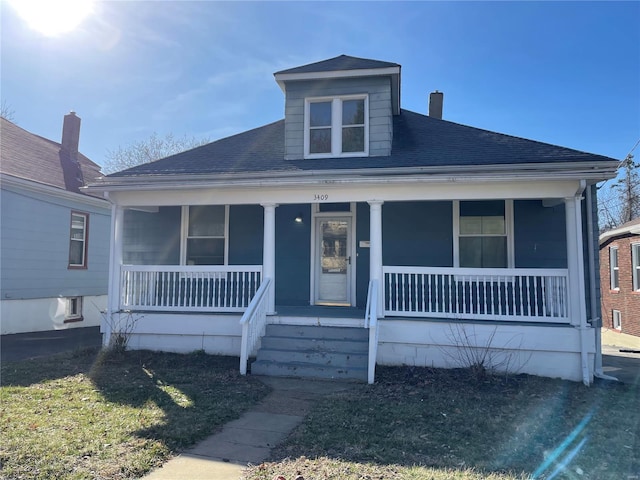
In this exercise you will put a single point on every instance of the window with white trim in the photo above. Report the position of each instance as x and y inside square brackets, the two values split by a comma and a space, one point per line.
[614, 269]
[617, 320]
[78, 240]
[483, 233]
[205, 234]
[73, 309]
[635, 263]
[336, 127]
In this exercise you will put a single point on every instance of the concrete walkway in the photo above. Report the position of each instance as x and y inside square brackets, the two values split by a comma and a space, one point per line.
[249, 439]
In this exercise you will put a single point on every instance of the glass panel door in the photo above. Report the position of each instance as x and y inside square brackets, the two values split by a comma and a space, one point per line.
[333, 265]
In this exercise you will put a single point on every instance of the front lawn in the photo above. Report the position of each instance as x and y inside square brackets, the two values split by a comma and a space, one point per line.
[445, 424]
[93, 415]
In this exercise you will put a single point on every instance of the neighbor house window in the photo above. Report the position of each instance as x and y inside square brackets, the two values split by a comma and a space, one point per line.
[617, 320]
[206, 233]
[635, 262]
[614, 269]
[336, 127]
[73, 310]
[483, 233]
[78, 240]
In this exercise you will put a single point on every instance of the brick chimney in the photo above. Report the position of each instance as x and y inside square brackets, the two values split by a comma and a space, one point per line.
[71, 133]
[435, 104]
[69, 153]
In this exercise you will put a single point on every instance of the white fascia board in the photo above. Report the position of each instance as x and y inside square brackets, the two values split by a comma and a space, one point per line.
[281, 78]
[382, 189]
[35, 187]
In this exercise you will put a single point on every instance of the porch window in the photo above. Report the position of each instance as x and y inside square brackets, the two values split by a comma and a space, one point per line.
[78, 240]
[206, 235]
[336, 127]
[614, 269]
[483, 234]
[635, 259]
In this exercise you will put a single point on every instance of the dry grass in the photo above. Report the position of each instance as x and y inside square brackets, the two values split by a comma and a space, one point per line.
[93, 415]
[444, 424]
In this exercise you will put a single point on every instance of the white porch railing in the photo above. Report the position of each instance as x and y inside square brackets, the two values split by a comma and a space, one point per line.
[371, 322]
[477, 293]
[200, 288]
[254, 322]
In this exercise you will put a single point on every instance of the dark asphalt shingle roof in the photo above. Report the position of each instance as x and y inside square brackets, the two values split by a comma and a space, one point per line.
[35, 158]
[418, 141]
[342, 62]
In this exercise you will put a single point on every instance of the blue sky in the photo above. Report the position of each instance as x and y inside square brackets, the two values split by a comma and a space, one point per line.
[566, 73]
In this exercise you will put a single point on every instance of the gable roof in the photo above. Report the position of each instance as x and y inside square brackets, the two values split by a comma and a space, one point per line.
[341, 62]
[31, 157]
[419, 143]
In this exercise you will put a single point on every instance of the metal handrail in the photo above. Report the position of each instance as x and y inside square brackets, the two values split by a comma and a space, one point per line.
[253, 323]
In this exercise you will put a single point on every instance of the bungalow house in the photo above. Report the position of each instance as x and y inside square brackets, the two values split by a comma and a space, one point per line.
[54, 238]
[620, 278]
[354, 233]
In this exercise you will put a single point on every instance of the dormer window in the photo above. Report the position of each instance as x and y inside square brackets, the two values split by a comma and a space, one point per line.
[336, 127]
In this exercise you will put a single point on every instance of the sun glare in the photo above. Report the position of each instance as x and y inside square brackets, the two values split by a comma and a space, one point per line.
[53, 17]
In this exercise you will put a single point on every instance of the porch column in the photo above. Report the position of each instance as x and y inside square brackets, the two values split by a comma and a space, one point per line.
[575, 261]
[375, 249]
[115, 255]
[269, 253]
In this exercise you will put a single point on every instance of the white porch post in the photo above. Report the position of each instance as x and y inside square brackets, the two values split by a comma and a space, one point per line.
[375, 249]
[115, 255]
[269, 254]
[575, 261]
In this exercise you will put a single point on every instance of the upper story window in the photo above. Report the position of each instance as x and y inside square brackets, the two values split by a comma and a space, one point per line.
[78, 240]
[484, 234]
[614, 269]
[336, 127]
[206, 234]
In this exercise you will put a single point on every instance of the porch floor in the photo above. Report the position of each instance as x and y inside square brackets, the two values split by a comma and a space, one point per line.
[319, 311]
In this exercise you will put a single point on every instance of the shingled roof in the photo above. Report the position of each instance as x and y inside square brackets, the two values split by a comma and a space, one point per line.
[35, 158]
[342, 62]
[418, 141]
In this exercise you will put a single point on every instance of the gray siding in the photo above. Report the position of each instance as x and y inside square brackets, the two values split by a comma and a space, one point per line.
[246, 234]
[34, 252]
[380, 117]
[293, 255]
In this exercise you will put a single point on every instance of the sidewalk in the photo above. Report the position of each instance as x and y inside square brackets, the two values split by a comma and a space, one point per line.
[249, 439]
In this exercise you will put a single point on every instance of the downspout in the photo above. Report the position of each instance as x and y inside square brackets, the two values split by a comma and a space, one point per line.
[595, 321]
[578, 267]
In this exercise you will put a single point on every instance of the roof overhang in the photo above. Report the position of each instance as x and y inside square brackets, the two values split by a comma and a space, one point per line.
[617, 232]
[393, 72]
[588, 171]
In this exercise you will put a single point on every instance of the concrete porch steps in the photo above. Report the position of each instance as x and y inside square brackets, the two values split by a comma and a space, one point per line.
[313, 352]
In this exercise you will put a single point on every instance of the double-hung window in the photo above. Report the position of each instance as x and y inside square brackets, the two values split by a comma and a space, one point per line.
[635, 263]
[78, 240]
[336, 127]
[614, 269]
[206, 233]
[483, 233]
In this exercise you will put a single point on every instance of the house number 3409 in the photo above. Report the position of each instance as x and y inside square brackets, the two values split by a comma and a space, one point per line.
[321, 196]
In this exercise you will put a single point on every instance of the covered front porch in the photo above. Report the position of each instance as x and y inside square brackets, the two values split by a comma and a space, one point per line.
[202, 272]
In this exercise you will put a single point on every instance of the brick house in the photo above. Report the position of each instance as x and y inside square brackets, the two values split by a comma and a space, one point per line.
[620, 272]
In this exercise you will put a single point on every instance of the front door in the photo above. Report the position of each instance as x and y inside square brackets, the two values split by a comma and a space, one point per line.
[333, 261]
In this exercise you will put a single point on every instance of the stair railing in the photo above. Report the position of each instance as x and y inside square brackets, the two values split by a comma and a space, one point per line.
[371, 322]
[254, 322]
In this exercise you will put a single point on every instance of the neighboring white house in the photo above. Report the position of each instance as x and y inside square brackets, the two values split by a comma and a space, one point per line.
[434, 239]
[54, 239]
